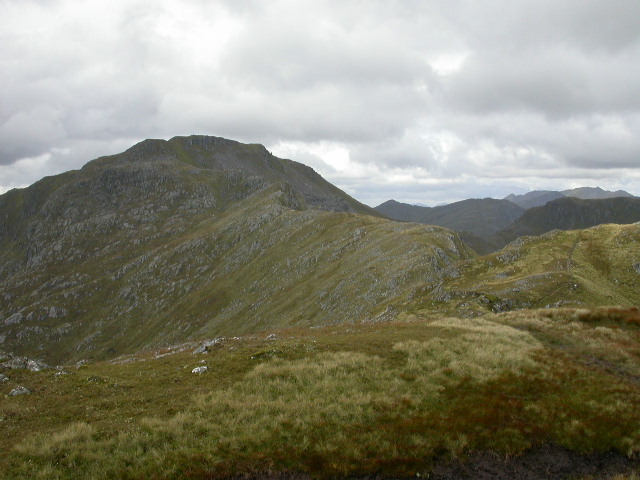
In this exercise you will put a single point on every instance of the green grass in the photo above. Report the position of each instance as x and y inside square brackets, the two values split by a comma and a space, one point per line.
[391, 398]
[589, 268]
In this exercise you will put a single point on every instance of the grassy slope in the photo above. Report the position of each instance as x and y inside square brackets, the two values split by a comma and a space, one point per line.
[596, 266]
[391, 398]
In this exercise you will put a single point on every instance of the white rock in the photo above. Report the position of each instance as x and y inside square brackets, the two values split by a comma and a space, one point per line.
[199, 369]
[19, 391]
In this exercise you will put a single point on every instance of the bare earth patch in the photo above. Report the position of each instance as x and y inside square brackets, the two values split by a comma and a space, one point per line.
[548, 462]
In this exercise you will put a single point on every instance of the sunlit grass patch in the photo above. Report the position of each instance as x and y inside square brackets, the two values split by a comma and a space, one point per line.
[481, 350]
[58, 444]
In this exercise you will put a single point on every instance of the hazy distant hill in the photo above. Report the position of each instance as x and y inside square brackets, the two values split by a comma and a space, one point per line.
[482, 217]
[403, 212]
[595, 193]
[538, 198]
[487, 225]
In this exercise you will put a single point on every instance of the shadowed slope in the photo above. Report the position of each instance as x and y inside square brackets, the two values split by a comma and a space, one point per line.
[481, 217]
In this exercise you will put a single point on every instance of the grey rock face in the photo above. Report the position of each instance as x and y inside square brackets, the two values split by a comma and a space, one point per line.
[206, 346]
[24, 363]
[3, 378]
[19, 391]
[13, 319]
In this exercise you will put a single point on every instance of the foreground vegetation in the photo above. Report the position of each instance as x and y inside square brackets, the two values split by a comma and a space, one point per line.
[391, 398]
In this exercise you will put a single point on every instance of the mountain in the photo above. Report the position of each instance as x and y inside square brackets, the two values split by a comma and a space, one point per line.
[487, 225]
[570, 214]
[480, 217]
[403, 212]
[191, 238]
[595, 193]
[538, 198]
[200, 236]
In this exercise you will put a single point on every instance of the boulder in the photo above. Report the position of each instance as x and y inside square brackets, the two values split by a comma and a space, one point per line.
[24, 363]
[13, 319]
[200, 370]
[36, 365]
[3, 378]
[205, 347]
[19, 391]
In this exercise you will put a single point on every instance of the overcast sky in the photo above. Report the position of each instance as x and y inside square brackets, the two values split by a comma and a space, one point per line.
[421, 101]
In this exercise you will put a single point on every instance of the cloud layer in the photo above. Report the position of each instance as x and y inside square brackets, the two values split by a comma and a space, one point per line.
[425, 102]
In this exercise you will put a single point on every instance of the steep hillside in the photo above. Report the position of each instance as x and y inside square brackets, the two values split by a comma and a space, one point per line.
[199, 236]
[191, 238]
[481, 217]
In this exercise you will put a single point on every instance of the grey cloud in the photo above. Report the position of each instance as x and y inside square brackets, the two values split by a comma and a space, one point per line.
[555, 83]
[517, 26]
[545, 87]
[30, 133]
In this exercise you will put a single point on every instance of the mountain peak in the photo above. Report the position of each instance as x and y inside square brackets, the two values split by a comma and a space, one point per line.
[594, 193]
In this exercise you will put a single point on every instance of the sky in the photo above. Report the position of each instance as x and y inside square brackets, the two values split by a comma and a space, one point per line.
[424, 102]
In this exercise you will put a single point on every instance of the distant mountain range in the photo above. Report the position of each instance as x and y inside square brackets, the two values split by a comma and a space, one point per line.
[538, 198]
[488, 224]
[482, 217]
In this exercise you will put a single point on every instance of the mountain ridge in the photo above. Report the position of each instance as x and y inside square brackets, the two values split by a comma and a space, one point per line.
[480, 217]
[488, 225]
[538, 198]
